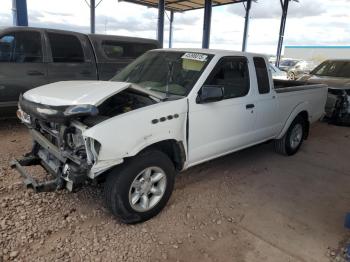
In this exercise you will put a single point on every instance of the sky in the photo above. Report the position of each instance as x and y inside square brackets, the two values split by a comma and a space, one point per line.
[310, 22]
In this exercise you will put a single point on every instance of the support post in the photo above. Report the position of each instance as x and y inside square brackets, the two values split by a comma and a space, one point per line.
[19, 12]
[160, 32]
[206, 23]
[285, 5]
[171, 29]
[246, 25]
[92, 16]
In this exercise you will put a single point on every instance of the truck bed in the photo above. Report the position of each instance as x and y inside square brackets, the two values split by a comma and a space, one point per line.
[283, 86]
[294, 93]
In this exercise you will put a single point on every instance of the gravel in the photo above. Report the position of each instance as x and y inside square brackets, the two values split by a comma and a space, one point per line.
[63, 226]
[200, 222]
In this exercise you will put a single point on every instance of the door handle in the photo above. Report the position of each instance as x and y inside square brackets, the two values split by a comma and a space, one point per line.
[34, 73]
[249, 106]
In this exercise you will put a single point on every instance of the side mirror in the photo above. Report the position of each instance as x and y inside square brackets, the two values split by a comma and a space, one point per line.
[210, 93]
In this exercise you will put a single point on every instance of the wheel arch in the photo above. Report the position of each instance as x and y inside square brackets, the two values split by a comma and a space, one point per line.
[174, 149]
[300, 110]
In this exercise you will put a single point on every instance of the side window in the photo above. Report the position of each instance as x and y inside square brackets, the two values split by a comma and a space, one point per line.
[115, 49]
[233, 75]
[66, 48]
[21, 47]
[262, 75]
[7, 48]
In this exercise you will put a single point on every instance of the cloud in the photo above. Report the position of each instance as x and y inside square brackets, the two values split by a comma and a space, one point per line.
[272, 9]
[309, 22]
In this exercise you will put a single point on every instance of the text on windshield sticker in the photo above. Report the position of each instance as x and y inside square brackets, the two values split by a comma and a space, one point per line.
[195, 56]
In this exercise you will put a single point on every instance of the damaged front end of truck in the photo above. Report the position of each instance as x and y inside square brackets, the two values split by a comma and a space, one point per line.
[59, 143]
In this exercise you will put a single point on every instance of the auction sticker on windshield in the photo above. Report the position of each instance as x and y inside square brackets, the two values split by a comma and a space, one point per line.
[195, 56]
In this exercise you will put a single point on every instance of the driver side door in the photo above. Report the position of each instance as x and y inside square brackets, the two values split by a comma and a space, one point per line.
[220, 127]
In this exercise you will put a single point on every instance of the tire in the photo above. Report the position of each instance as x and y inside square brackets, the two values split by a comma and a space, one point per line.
[289, 144]
[291, 76]
[135, 180]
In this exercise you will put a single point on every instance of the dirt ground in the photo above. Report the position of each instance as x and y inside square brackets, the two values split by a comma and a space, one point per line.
[254, 205]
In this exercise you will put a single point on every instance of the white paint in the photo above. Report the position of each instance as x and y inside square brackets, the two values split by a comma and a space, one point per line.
[74, 92]
[215, 129]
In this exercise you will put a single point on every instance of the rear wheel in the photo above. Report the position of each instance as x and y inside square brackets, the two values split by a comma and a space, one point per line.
[290, 143]
[140, 188]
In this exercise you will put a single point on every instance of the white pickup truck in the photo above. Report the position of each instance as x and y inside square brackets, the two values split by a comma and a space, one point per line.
[165, 112]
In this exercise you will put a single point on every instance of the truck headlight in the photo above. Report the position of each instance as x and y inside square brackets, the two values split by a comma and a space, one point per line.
[23, 116]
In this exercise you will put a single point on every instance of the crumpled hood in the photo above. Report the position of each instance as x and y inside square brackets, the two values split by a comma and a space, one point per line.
[332, 82]
[75, 92]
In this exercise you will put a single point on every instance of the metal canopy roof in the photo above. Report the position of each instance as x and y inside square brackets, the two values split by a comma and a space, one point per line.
[182, 5]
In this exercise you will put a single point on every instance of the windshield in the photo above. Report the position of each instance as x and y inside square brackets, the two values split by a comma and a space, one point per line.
[333, 68]
[168, 72]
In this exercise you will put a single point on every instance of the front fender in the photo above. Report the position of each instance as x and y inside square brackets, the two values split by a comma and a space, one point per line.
[128, 134]
[304, 106]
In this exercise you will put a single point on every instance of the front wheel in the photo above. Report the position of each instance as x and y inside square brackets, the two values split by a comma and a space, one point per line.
[290, 143]
[139, 190]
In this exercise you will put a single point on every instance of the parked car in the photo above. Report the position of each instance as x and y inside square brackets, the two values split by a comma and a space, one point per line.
[277, 73]
[287, 63]
[336, 74]
[301, 68]
[168, 110]
[31, 57]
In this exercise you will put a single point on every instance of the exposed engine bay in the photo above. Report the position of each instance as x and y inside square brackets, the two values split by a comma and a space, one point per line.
[59, 145]
[121, 103]
[338, 106]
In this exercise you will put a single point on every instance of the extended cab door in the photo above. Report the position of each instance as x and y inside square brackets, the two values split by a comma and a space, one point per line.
[22, 64]
[267, 121]
[220, 127]
[71, 57]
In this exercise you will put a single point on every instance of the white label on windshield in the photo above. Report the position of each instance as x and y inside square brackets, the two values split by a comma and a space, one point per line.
[195, 56]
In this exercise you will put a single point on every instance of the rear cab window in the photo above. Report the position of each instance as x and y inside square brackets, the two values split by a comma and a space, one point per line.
[21, 47]
[118, 49]
[66, 48]
[262, 75]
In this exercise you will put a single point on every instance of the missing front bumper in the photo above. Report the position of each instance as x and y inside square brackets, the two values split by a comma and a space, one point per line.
[66, 170]
[30, 182]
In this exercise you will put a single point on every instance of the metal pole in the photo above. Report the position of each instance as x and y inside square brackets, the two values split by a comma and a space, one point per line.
[171, 29]
[246, 25]
[160, 32]
[19, 12]
[206, 24]
[282, 28]
[14, 12]
[92, 16]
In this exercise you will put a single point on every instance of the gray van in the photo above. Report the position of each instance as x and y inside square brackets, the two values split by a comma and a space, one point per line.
[30, 57]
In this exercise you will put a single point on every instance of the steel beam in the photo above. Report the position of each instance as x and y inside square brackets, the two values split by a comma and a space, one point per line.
[285, 5]
[92, 16]
[160, 28]
[206, 23]
[246, 25]
[19, 12]
[171, 29]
